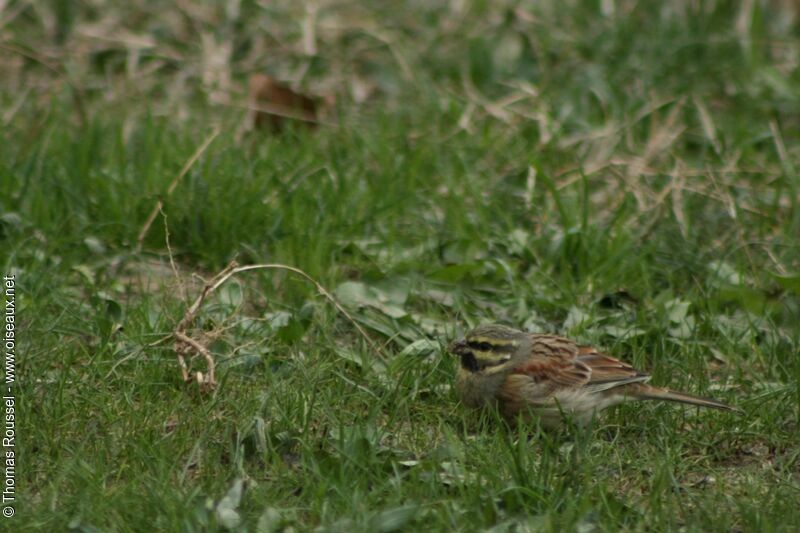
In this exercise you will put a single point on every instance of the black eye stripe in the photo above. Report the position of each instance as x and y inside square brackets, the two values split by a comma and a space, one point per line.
[489, 347]
[481, 346]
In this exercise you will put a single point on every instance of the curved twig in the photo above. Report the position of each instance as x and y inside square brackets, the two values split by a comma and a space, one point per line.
[184, 343]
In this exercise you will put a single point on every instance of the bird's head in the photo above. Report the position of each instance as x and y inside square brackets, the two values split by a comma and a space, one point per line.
[487, 347]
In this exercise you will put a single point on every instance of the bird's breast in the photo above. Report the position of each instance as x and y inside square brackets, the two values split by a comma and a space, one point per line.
[475, 389]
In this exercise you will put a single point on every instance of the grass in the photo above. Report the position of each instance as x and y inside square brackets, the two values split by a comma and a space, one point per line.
[620, 172]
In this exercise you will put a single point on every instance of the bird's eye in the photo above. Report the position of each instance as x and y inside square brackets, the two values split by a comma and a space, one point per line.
[480, 346]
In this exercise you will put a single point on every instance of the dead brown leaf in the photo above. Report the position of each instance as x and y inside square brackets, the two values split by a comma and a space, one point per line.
[272, 104]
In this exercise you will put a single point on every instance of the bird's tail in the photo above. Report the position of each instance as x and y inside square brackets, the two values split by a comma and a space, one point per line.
[648, 392]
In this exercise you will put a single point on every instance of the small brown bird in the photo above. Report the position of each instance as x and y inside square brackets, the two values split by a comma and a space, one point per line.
[550, 377]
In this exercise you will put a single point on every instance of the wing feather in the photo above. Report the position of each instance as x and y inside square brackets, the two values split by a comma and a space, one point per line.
[564, 364]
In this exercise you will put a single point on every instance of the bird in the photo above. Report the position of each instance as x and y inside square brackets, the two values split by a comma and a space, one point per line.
[550, 378]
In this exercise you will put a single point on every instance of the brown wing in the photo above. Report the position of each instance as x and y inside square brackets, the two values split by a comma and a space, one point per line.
[565, 364]
[554, 360]
[557, 372]
[607, 371]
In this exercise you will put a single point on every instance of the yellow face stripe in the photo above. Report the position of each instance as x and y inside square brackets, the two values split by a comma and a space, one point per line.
[492, 357]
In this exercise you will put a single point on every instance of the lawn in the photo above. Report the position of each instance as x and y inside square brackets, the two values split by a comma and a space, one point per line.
[621, 172]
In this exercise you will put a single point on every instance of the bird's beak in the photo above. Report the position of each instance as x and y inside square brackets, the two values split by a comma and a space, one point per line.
[457, 347]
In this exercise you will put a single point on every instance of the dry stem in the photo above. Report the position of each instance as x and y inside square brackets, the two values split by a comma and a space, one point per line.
[184, 344]
[160, 203]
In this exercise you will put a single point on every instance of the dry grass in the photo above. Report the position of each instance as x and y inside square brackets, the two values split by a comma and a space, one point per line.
[623, 172]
